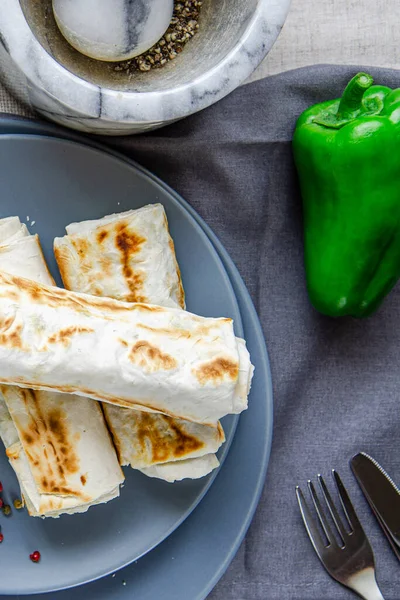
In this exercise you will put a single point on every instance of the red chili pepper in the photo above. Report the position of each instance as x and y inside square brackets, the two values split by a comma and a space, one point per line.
[1, 487]
[1, 503]
[35, 556]
[1, 537]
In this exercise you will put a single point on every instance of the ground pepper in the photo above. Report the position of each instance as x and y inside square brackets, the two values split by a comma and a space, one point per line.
[184, 25]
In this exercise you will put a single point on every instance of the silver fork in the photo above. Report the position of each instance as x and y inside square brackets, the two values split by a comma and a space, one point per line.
[351, 562]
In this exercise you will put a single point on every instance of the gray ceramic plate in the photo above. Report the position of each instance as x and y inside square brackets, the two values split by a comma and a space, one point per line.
[53, 182]
[191, 556]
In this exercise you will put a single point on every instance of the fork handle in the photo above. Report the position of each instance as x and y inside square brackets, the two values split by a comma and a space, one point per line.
[364, 583]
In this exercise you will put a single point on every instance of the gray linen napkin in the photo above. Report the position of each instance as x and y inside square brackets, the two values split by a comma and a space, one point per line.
[335, 381]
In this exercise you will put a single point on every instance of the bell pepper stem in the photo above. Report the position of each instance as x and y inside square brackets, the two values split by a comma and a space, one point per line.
[353, 94]
[350, 104]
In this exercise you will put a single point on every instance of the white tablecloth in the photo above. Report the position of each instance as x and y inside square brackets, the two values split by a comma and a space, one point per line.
[321, 31]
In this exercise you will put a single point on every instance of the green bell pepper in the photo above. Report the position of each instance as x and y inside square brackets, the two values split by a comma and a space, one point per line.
[347, 154]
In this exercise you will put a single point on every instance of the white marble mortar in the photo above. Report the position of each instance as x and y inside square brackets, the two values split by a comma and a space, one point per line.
[234, 37]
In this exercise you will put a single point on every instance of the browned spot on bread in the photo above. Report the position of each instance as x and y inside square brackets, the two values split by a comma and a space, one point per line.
[80, 303]
[10, 333]
[217, 370]
[135, 282]
[50, 296]
[171, 245]
[47, 441]
[167, 440]
[62, 262]
[56, 421]
[6, 324]
[128, 243]
[169, 332]
[65, 490]
[148, 307]
[200, 331]
[185, 444]
[56, 427]
[56, 297]
[83, 479]
[14, 339]
[151, 358]
[11, 295]
[106, 267]
[29, 455]
[181, 292]
[64, 335]
[13, 452]
[81, 246]
[124, 343]
[102, 234]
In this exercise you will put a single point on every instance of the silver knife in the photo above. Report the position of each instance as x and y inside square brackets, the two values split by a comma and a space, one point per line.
[382, 495]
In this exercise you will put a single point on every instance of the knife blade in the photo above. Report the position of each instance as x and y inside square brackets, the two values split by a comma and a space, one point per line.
[382, 495]
[390, 539]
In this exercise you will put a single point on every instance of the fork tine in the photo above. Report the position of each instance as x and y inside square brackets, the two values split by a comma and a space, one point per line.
[310, 524]
[346, 503]
[321, 515]
[332, 509]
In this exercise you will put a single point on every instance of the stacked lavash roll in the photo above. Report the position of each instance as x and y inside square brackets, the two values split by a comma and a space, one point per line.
[57, 444]
[165, 376]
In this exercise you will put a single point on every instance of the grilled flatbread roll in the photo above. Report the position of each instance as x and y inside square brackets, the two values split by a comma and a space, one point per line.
[145, 439]
[142, 439]
[144, 263]
[137, 356]
[57, 444]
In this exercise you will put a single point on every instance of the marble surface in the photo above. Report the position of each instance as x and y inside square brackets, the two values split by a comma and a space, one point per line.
[113, 30]
[236, 36]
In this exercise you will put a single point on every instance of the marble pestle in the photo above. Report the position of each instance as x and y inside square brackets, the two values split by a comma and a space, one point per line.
[113, 30]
